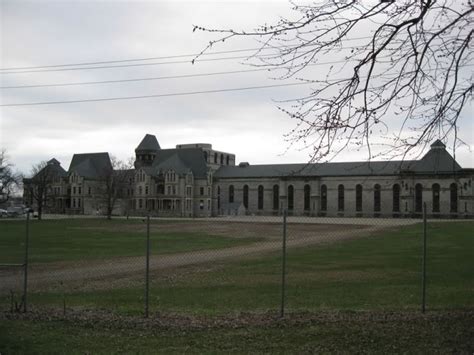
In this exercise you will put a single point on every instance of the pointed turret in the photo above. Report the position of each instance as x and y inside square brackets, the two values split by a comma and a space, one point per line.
[438, 145]
[437, 160]
[146, 151]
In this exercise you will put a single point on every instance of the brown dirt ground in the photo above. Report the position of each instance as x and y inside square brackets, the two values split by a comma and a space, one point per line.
[117, 271]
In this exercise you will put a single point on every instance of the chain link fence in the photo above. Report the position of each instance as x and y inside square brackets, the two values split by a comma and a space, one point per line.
[226, 265]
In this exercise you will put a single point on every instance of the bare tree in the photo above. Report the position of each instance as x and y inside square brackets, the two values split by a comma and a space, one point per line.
[397, 71]
[9, 180]
[113, 183]
[39, 185]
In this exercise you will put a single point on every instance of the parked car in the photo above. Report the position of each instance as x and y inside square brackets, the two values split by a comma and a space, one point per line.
[3, 213]
[15, 211]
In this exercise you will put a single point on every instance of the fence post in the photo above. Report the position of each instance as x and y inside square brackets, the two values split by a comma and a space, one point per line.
[283, 267]
[423, 266]
[25, 263]
[147, 272]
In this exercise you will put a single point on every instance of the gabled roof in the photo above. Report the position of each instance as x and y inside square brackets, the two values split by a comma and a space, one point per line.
[91, 165]
[148, 143]
[174, 162]
[182, 161]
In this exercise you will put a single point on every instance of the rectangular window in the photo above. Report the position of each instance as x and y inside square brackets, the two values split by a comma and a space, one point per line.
[201, 191]
[201, 205]
[89, 191]
[74, 190]
[80, 190]
[146, 190]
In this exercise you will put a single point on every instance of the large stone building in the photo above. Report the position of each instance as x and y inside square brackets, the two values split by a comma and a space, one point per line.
[193, 180]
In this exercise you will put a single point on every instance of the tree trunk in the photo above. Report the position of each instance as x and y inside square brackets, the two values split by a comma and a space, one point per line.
[40, 210]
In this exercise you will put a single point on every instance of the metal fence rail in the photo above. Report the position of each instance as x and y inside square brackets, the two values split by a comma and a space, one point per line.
[248, 263]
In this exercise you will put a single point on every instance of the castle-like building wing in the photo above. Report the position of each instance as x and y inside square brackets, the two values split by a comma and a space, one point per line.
[193, 180]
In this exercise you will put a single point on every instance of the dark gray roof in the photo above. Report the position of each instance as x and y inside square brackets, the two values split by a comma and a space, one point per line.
[181, 160]
[306, 170]
[148, 143]
[53, 161]
[435, 161]
[172, 162]
[52, 169]
[91, 165]
[438, 144]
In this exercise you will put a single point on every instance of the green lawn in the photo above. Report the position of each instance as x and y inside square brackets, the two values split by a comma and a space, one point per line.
[357, 333]
[79, 239]
[381, 272]
[377, 277]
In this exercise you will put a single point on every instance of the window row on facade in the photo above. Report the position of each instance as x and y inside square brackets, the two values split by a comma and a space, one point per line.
[341, 198]
[218, 158]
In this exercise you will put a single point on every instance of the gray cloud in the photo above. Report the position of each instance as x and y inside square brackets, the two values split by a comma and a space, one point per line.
[54, 32]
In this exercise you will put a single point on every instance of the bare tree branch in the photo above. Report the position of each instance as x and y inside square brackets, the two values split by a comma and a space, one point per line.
[9, 180]
[405, 68]
[114, 182]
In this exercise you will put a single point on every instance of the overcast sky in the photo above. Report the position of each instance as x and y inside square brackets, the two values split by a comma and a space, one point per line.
[246, 123]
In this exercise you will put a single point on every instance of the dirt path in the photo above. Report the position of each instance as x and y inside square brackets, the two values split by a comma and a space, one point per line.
[41, 275]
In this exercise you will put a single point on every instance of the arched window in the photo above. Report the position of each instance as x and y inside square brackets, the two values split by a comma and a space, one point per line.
[218, 197]
[396, 198]
[377, 198]
[418, 198]
[227, 160]
[435, 191]
[260, 197]
[340, 198]
[324, 198]
[276, 197]
[222, 159]
[453, 192]
[231, 193]
[307, 197]
[291, 197]
[359, 198]
[246, 196]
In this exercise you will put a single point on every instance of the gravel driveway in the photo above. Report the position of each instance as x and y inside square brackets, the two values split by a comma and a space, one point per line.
[42, 275]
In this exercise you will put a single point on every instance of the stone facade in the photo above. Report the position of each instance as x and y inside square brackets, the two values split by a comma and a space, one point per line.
[193, 180]
[378, 196]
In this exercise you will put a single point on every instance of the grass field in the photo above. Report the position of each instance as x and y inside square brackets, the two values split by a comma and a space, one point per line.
[93, 239]
[347, 333]
[377, 275]
[381, 272]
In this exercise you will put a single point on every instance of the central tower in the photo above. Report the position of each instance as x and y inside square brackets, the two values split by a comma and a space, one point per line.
[146, 151]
